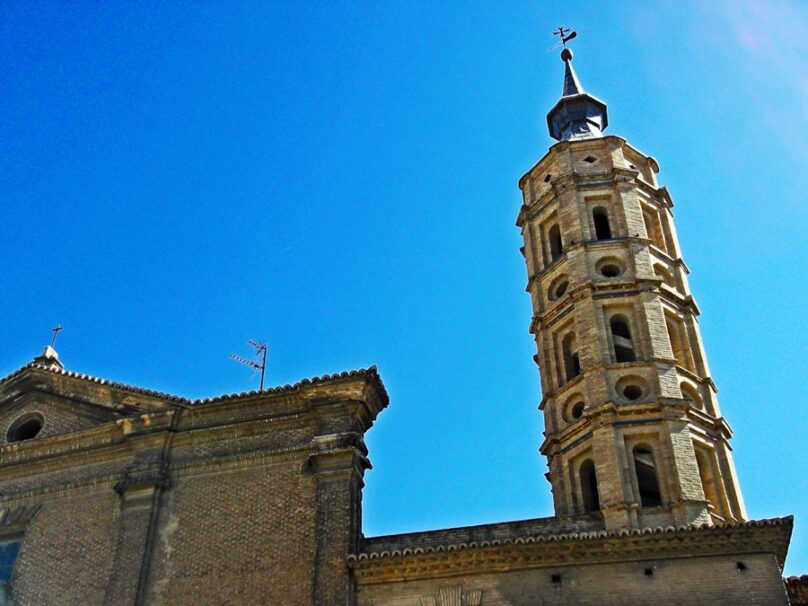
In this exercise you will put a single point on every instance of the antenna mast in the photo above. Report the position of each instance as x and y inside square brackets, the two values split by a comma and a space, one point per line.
[260, 350]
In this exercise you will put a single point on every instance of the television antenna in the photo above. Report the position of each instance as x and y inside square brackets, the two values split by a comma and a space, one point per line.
[565, 34]
[260, 350]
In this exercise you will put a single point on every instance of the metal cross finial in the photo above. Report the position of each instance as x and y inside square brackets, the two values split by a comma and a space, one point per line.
[55, 330]
[565, 34]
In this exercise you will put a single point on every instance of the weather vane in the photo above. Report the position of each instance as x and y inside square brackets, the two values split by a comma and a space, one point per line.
[565, 34]
[260, 350]
[55, 330]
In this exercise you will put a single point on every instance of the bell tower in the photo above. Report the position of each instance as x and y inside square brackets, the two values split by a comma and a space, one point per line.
[633, 431]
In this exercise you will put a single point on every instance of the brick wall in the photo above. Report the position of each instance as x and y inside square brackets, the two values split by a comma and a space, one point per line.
[249, 499]
[237, 537]
[712, 581]
[68, 551]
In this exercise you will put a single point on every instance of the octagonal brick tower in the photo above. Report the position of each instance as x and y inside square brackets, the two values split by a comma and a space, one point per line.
[632, 424]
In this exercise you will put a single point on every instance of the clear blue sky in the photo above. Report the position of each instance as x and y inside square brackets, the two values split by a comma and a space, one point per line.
[340, 179]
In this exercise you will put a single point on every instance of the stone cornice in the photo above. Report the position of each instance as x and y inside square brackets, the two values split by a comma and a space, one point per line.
[618, 243]
[597, 547]
[572, 181]
[64, 446]
[33, 368]
[119, 474]
[12, 517]
[360, 393]
[563, 146]
[612, 413]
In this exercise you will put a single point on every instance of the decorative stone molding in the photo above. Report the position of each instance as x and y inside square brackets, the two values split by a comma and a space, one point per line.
[138, 476]
[18, 515]
[454, 596]
[480, 557]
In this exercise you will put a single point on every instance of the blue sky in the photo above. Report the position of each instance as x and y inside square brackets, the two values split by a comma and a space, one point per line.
[340, 180]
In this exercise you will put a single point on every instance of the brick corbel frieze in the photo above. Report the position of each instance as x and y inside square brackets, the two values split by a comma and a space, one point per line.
[765, 536]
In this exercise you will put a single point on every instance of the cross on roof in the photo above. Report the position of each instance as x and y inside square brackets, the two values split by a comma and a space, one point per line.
[55, 330]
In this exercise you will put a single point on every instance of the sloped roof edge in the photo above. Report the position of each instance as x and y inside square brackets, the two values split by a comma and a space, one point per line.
[370, 372]
[786, 521]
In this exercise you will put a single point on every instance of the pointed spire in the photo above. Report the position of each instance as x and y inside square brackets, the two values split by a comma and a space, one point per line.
[577, 115]
[572, 86]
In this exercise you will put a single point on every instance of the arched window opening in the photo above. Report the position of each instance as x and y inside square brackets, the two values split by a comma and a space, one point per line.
[647, 481]
[666, 276]
[556, 247]
[652, 228]
[679, 343]
[690, 393]
[707, 479]
[589, 486]
[621, 337]
[601, 219]
[572, 364]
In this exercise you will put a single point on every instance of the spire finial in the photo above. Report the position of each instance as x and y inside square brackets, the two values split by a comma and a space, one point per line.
[565, 34]
[571, 84]
[577, 115]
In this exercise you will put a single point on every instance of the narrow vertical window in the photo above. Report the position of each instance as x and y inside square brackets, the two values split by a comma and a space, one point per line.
[651, 219]
[556, 247]
[647, 480]
[692, 394]
[601, 220]
[621, 338]
[666, 276]
[679, 343]
[589, 486]
[707, 479]
[572, 364]
[8, 555]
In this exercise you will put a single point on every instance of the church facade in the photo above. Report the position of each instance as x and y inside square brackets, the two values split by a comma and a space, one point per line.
[112, 494]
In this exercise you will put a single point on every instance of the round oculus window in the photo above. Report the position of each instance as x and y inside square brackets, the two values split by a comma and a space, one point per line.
[632, 392]
[25, 428]
[611, 270]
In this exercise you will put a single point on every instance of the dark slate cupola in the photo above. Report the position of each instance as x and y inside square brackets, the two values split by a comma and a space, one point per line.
[576, 115]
